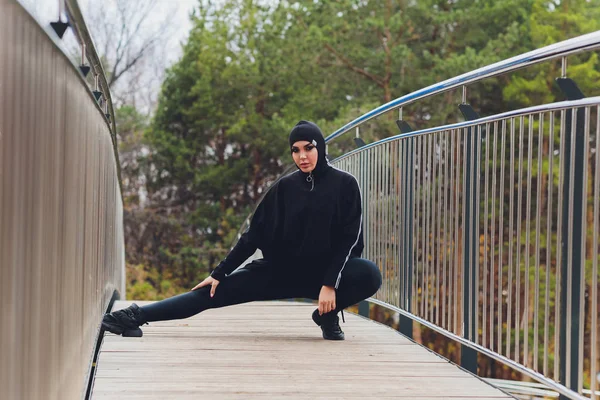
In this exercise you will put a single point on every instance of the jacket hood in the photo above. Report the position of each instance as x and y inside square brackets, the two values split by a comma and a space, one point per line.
[309, 131]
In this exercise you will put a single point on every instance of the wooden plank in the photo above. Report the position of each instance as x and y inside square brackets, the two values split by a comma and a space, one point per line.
[271, 350]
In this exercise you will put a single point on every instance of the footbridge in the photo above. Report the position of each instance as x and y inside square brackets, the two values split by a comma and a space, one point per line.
[486, 232]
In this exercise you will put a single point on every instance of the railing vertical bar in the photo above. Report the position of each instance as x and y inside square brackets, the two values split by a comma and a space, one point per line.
[428, 204]
[493, 233]
[401, 189]
[584, 200]
[373, 199]
[366, 202]
[393, 219]
[501, 239]
[410, 219]
[390, 254]
[386, 208]
[446, 159]
[548, 239]
[406, 232]
[384, 214]
[466, 222]
[569, 311]
[381, 218]
[457, 214]
[559, 245]
[417, 223]
[414, 221]
[518, 242]
[375, 212]
[402, 209]
[485, 170]
[594, 292]
[363, 188]
[365, 193]
[396, 161]
[451, 233]
[433, 214]
[371, 177]
[408, 225]
[438, 231]
[510, 235]
[527, 242]
[538, 228]
[435, 232]
[424, 239]
[382, 228]
[453, 227]
[476, 226]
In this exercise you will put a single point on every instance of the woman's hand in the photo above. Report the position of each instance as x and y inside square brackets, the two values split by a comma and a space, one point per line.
[208, 281]
[326, 300]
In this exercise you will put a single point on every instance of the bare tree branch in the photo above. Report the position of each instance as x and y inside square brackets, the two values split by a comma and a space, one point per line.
[127, 33]
[354, 68]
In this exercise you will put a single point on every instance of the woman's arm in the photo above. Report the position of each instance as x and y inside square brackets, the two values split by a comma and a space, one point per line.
[349, 232]
[243, 249]
[250, 240]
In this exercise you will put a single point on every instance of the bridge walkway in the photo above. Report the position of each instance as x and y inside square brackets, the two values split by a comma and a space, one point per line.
[269, 350]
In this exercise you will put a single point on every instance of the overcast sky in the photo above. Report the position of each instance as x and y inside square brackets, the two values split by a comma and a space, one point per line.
[168, 51]
[181, 22]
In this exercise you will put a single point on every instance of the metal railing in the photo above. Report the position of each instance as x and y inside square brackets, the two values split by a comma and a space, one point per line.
[487, 231]
[561, 50]
[61, 230]
[469, 224]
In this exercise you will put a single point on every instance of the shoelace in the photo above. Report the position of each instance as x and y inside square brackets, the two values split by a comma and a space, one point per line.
[133, 315]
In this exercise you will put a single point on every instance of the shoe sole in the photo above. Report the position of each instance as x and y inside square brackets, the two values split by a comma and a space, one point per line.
[117, 330]
[333, 338]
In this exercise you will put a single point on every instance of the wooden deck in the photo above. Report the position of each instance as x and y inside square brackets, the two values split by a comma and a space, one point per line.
[271, 350]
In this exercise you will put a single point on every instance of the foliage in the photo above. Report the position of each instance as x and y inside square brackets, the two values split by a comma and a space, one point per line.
[250, 70]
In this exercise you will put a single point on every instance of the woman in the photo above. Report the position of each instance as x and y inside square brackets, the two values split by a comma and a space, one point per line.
[309, 228]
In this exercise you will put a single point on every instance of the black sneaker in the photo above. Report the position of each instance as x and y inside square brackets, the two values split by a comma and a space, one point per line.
[125, 322]
[330, 325]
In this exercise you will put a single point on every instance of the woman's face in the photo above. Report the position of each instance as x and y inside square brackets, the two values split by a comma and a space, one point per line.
[305, 155]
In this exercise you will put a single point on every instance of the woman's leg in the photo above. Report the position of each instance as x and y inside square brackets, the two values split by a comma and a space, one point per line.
[244, 285]
[360, 279]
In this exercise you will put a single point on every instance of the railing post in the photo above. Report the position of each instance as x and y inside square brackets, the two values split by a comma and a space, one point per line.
[571, 256]
[468, 357]
[363, 309]
[405, 325]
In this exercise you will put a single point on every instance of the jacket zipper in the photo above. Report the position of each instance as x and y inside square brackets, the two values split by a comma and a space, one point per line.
[310, 179]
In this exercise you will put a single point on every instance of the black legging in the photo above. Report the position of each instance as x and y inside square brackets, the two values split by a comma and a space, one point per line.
[360, 279]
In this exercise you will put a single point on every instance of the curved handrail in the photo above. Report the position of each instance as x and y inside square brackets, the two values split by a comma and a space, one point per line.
[77, 23]
[579, 44]
[588, 101]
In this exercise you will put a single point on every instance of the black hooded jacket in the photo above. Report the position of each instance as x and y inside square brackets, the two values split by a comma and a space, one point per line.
[308, 225]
